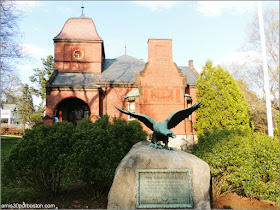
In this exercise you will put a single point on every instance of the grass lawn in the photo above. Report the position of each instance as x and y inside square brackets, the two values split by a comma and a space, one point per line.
[11, 193]
[9, 138]
[7, 143]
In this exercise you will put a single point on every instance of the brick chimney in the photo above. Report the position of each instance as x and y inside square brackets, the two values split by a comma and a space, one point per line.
[191, 64]
[160, 49]
[161, 84]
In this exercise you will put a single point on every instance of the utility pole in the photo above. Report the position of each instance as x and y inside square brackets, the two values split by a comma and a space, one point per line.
[265, 71]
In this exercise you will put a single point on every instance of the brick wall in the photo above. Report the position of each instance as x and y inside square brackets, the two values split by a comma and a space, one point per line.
[90, 61]
[90, 97]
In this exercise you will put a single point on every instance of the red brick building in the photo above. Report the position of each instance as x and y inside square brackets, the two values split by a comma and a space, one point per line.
[86, 84]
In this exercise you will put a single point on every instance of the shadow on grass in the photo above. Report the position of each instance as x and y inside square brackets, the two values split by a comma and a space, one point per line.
[16, 194]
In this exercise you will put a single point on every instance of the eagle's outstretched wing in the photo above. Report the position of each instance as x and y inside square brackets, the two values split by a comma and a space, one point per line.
[149, 122]
[175, 118]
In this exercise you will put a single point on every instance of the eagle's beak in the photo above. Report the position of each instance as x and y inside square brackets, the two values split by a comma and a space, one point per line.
[172, 135]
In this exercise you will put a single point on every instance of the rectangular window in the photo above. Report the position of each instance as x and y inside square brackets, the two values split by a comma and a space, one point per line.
[131, 108]
[189, 104]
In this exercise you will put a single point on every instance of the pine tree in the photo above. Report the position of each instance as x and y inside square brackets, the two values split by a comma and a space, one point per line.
[40, 78]
[223, 105]
[25, 106]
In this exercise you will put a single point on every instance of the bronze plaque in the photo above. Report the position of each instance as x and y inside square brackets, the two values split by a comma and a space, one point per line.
[164, 188]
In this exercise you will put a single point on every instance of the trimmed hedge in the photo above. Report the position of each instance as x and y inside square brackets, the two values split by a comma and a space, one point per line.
[48, 157]
[98, 149]
[244, 163]
[39, 159]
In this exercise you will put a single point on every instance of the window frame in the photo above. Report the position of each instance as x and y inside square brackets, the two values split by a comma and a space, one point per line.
[129, 102]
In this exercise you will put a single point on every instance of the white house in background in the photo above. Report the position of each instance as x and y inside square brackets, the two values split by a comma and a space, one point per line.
[8, 113]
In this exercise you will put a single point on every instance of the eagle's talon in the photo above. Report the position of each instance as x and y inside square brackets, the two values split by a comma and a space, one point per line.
[158, 146]
[169, 148]
[155, 146]
[152, 145]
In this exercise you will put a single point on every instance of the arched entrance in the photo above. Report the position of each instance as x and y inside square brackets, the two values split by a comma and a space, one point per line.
[72, 110]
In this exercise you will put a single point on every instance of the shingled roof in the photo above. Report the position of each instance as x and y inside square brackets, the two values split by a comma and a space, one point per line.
[121, 70]
[192, 74]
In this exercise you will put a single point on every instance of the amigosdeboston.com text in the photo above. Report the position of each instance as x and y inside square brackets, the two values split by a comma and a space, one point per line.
[27, 206]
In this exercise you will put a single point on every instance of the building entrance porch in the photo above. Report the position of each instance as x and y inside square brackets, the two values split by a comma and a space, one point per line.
[72, 110]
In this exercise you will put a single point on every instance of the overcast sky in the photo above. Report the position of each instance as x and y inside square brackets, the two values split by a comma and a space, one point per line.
[200, 30]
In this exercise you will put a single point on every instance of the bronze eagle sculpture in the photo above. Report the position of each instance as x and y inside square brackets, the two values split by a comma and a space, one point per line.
[162, 129]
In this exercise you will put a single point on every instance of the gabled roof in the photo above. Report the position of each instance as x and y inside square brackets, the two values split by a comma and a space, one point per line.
[81, 28]
[121, 70]
[192, 75]
[74, 80]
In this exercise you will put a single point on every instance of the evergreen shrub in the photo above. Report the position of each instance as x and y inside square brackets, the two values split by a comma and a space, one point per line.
[39, 159]
[224, 104]
[62, 155]
[246, 163]
[98, 149]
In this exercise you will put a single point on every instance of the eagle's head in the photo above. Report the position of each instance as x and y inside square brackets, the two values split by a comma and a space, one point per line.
[161, 128]
[169, 133]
